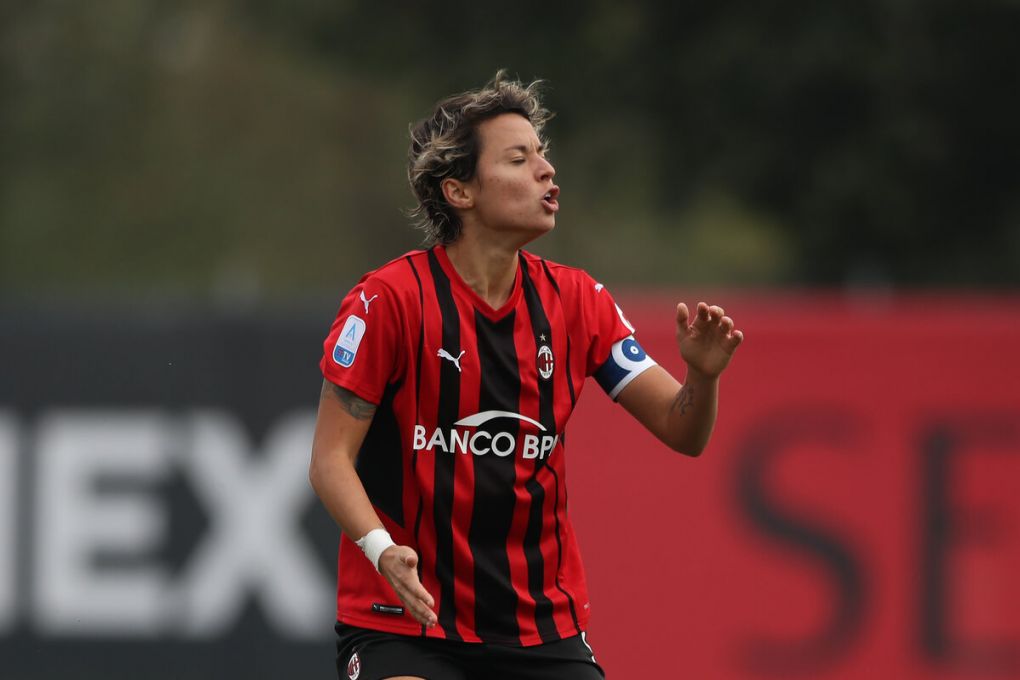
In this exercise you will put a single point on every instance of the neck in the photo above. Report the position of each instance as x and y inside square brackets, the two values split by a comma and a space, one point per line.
[488, 267]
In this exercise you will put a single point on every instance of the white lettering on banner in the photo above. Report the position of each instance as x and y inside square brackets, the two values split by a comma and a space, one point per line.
[253, 543]
[74, 522]
[8, 514]
[99, 522]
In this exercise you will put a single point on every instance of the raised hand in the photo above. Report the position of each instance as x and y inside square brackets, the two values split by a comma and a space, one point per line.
[706, 344]
[399, 564]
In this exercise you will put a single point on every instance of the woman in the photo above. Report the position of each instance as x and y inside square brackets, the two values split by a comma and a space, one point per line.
[453, 371]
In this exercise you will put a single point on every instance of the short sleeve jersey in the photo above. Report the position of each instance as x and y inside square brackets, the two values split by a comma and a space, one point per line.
[465, 457]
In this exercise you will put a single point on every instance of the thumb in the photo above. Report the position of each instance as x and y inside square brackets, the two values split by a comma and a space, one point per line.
[410, 558]
[683, 316]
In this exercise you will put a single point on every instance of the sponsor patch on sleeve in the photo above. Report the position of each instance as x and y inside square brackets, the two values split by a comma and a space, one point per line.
[347, 343]
[626, 361]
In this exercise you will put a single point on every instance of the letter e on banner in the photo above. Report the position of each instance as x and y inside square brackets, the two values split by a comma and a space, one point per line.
[75, 520]
[8, 518]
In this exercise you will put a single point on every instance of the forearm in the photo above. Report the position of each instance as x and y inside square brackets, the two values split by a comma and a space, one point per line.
[338, 486]
[340, 429]
[692, 413]
[683, 416]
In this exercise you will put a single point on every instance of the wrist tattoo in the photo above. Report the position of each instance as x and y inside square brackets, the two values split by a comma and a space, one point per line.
[684, 399]
[352, 403]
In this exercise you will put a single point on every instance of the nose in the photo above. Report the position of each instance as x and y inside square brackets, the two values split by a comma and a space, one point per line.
[545, 169]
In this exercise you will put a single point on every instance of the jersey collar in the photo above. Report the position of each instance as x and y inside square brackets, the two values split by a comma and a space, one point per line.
[475, 299]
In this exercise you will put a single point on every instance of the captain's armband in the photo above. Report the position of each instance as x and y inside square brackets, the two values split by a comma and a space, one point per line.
[627, 360]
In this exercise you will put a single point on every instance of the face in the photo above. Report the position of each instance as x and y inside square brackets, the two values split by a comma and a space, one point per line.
[512, 191]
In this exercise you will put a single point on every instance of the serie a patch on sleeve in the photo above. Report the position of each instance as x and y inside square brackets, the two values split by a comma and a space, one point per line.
[627, 360]
[346, 348]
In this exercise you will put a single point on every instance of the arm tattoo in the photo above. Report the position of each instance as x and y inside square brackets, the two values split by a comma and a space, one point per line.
[352, 403]
[684, 399]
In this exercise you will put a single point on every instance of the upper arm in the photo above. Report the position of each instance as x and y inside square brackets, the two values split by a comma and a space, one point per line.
[365, 348]
[649, 398]
[362, 353]
[341, 425]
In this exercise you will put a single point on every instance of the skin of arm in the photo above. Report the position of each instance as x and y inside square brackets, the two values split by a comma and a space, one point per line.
[682, 416]
[340, 428]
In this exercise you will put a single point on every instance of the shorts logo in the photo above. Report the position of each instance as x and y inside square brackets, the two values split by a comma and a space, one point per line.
[545, 362]
[346, 347]
[354, 667]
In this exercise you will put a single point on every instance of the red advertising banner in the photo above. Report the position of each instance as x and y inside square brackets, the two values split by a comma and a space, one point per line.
[857, 513]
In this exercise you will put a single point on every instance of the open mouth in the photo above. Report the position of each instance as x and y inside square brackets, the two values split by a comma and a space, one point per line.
[549, 200]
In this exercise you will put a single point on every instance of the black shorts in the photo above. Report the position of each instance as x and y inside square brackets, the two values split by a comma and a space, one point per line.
[364, 654]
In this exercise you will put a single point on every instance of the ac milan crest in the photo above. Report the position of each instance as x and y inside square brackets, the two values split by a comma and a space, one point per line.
[545, 362]
[354, 667]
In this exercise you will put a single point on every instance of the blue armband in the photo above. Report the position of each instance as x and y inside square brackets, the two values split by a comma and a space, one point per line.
[627, 360]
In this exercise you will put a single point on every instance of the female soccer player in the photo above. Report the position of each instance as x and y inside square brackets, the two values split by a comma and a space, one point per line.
[450, 374]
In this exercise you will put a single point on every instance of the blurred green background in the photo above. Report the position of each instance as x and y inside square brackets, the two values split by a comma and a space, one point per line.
[251, 152]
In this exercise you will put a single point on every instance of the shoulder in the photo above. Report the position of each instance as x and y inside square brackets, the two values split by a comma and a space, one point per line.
[392, 290]
[398, 275]
[568, 279]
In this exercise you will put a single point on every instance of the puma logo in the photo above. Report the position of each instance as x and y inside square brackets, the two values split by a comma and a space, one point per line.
[368, 301]
[456, 360]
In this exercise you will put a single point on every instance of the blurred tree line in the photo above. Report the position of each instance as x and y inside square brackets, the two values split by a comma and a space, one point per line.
[251, 150]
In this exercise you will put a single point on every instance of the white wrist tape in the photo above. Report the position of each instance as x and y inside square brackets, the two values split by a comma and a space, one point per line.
[373, 543]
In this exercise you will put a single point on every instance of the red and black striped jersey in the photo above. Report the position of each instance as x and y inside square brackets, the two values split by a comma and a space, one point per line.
[465, 458]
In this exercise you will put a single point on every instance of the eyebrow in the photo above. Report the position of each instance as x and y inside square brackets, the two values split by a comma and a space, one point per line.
[524, 148]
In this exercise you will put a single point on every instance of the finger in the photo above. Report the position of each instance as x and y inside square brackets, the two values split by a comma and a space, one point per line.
[409, 579]
[683, 317]
[715, 313]
[414, 595]
[403, 577]
[421, 613]
[726, 325]
[702, 319]
[734, 340]
[418, 591]
[415, 606]
[682, 314]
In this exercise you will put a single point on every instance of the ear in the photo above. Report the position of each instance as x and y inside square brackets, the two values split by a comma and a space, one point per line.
[457, 193]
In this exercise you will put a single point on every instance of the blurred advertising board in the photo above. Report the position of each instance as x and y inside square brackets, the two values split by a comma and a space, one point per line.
[856, 515]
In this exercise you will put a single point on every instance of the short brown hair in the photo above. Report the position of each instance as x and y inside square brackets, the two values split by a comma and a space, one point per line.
[445, 145]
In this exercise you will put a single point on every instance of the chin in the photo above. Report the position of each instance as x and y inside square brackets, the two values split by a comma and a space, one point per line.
[532, 233]
[525, 234]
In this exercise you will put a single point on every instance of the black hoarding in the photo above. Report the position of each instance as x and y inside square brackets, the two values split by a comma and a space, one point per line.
[155, 515]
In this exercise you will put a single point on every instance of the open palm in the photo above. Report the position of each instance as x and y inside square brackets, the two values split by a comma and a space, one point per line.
[707, 343]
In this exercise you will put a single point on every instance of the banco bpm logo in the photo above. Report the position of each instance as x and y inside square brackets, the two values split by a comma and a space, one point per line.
[465, 438]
